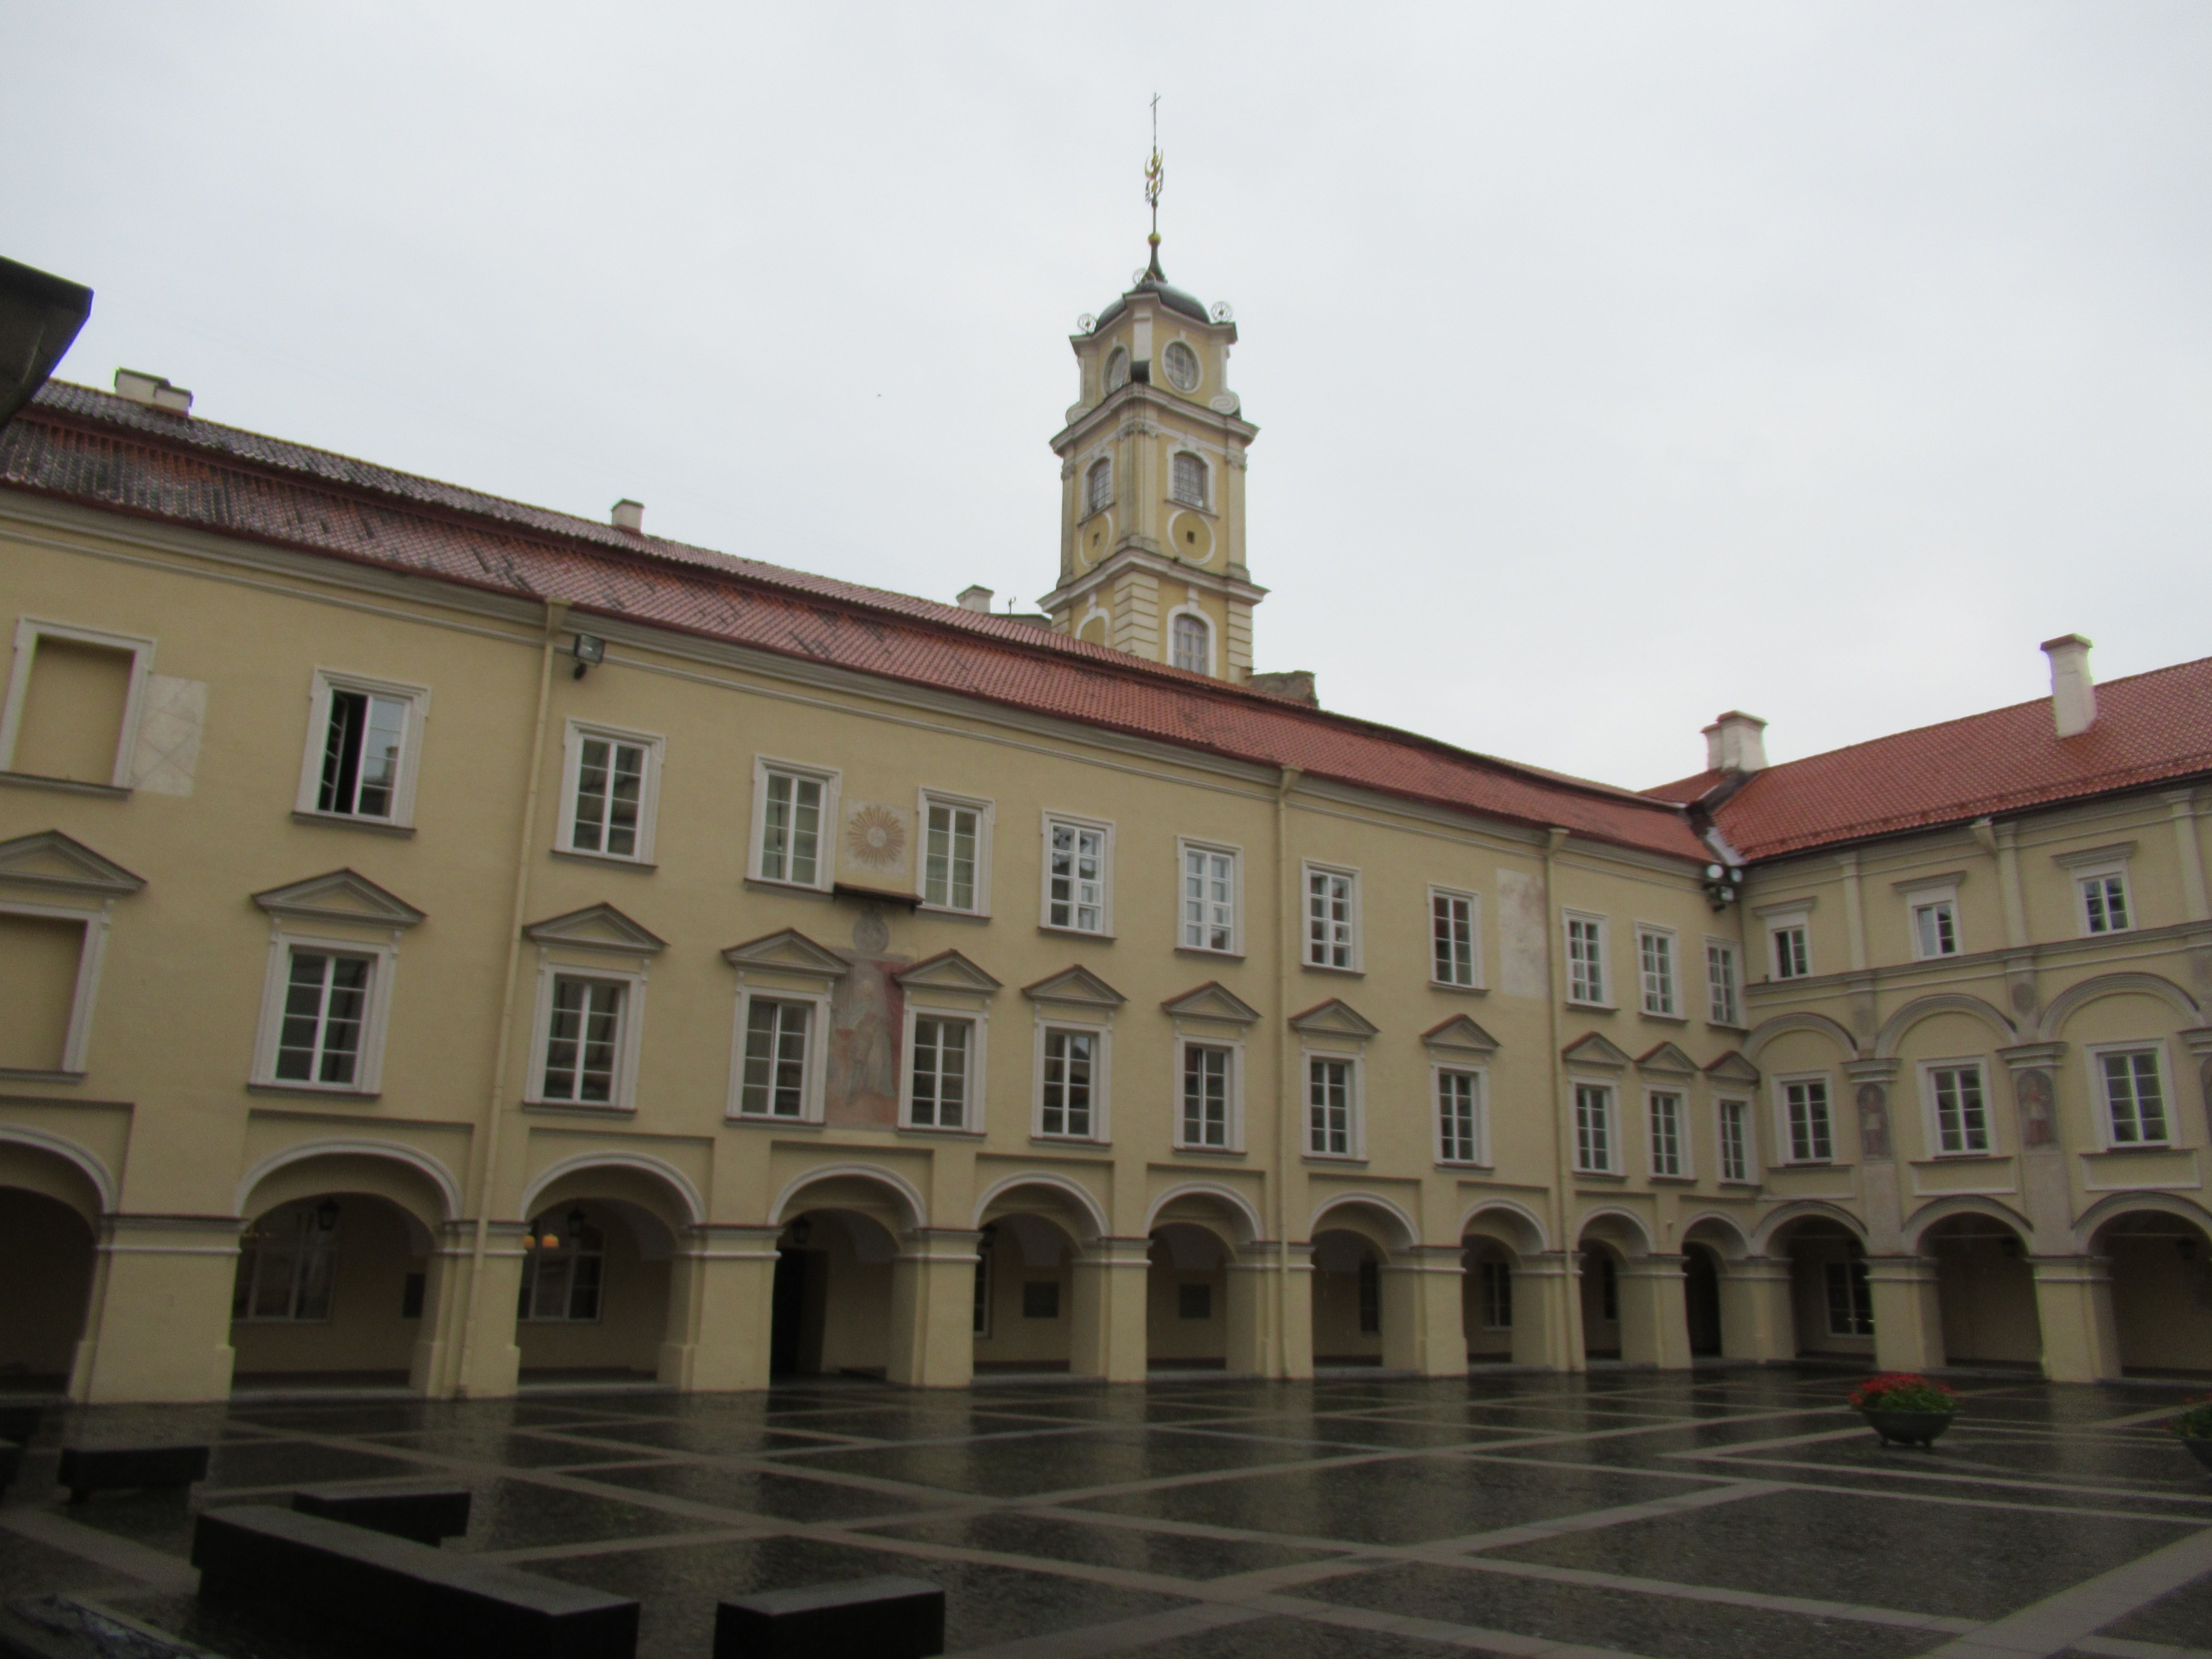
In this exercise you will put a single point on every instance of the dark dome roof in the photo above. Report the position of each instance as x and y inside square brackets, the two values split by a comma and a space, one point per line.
[1155, 282]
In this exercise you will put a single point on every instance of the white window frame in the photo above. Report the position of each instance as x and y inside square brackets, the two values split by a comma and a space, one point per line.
[29, 630]
[1729, 1013]
[1610, 1094]
[1686, 1167]
[1742, 1106]
[1669, 1006]
[826, 860]
[1101, 1080]
[376, 1016]
[1438, 1069]
[2092, 1057]
[978, 1024]
[1308, 870]
[1355, 1103]
[417, 699]
[1092, 505]
[1777, 927]
[1204, 499]
[1935, 893]
[1474, 981]
[76, 1038]
[1076, 821]
[1603, 997]
[2099, 865]
[1234, 1125]
[1931, 1119]
[1784, 1140]
[628, 1037]
[1185, 846]
[1197, 615]
[815, 1079]
[648, 794]
[986, 814]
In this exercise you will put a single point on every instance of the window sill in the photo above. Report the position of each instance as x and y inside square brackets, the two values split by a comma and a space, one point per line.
[1672, 1181]
[309, 1091]
[2157, 1148]
[1474, 1169]
[788, 889]
[1935, 1158]
[1746, 1185]
[63, 786]
[951, 914]
[1459, 990]
[1208, 1151]
[762, 1120]
[1334, 1160]
[1202, 951]
[1072, 1143]
[341, 821]
[1325, 968]
[1612, 1175]
[579, 856]
[1594, 1007]
[573, 1108]
[847, 889]
[1075, 932]
[1727, 1026]
[1667, 1019]
[1809, 1163]
[933, 1131]
[33, 1074]
[1177, 501]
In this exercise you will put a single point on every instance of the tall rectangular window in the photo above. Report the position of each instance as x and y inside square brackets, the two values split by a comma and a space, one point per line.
[1328, 1107]
[1850, 1299]
[2105, 903]
[938, 1093]
[583, 1046]
[1734, 1125]
[1721, 984]
[363, 742]
[774, 1083]
[70, 707]
[325, 1001]
[1935, 929]
[1209, 899]
[1186, 479]
[1459, 1117]
[2135, 1097]
[1655, 953]
[287, 1265]
[1962, 1122]
[1593, 1128]
[1451, 938]
[1331, 922]
[1495, 1279]
[605, 815]
[791, 830]
[1793, 957]
[1075, 878]
[1071, 1061]
[1585, 960]
[1805, 1103]
[951, 856]
[1205, 1081]
[1665, 1116]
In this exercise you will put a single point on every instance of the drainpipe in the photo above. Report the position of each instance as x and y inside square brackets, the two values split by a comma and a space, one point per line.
[1286, 1103]
[1562, 1103]
[556, 613]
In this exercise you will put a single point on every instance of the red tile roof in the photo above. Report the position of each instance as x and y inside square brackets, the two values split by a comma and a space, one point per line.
[88, 446]
[2150, 728]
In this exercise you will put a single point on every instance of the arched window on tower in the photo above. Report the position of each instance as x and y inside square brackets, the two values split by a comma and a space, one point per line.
[1187, 479]
[1098, 487]
[1194, 643]
[1117, 370]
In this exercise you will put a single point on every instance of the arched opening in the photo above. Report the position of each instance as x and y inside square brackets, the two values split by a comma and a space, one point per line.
[1187, 1299]
[47, 1243]
[1701, 1299]
[1024, 1294]
[2161, 1281]
[1601, 1267]
[1830, 1298]
[330, 1291]
[1986, 1290]
[833, 1294]
[1486, 1312]
[593, 1304]
[1347, 1297]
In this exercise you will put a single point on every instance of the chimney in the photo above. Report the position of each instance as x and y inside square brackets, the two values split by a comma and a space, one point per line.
[153, 390]
[977, 598]
[2073, 697]
[1735, 743]
[628, 515]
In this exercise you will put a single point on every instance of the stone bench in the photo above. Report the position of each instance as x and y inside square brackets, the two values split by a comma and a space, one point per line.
[421, 1599]
[880, 1617]
[20, 1423]
[88, 1469]
[11, 1463]
[425, 1514]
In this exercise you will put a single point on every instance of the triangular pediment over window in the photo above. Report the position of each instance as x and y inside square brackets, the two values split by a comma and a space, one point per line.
[1593, 1050]
[948, 970]
[340, 896]
[52, 861]
[1461, 1034]
[1733, 1067]
[790, 951]
[1668, 1060]
[596, 927]
[1212, 1000]
[1335, 1017]
[1077, 985]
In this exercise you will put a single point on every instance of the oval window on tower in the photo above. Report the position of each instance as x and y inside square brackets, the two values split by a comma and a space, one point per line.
[1117, 370]
[1182, 365]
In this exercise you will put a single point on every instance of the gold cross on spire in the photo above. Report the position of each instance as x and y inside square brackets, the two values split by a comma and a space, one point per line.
[1155, 176]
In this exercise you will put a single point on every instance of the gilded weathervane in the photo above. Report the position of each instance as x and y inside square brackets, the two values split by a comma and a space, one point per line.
[1155, 176]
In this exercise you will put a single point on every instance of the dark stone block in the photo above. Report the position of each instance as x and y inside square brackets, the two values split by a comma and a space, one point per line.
[20, 1423]
[425, 1514]
[11, 1462]
[880, 1617]
[63, 1627]
[422, 1601]
[88, 1469]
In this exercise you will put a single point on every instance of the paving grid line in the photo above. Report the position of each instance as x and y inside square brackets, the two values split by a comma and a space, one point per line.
[154, 1568]
[2116, 1648]
[2057, 1622]
[1962, 1480]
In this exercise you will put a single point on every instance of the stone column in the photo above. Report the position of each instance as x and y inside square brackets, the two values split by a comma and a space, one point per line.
[1107, 1337]
[1758, 1316]
[725, 1289]
[1548, 1315]
[1424, 1324]
[1655, 1325]
[158, 1328]
[488, 1362]
[429, 1366]
[1908, 1314]
[1292, 1355]
[2073, 1303]
[1247, 1283]
[933, 1309]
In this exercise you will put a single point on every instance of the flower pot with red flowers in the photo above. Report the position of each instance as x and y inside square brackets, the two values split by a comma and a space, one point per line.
[1905, 1408]
[2193, 1428]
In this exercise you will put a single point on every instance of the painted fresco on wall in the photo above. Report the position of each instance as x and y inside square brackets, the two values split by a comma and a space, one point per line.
[868, 1016]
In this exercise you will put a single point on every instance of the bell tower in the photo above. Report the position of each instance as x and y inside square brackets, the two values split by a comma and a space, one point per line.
[1151, 468]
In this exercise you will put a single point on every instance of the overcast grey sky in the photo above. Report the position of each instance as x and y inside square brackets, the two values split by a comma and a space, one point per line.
[1616, 364]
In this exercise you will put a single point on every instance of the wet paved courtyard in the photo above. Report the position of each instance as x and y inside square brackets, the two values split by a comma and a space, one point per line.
[1714, 1514]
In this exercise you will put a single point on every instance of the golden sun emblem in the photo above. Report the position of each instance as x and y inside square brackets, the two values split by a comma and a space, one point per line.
[875, 837]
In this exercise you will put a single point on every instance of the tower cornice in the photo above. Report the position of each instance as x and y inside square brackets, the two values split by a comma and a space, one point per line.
[1160, 565]
[1138, 398]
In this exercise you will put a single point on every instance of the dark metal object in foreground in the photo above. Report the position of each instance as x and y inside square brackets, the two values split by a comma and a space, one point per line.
[425, 1514]
[20, 1423]
[40, 316]
[88, 1469]
[63, 1627]
[880, 1617]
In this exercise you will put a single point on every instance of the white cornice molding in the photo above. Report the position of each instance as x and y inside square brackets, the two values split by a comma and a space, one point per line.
[1156, 564]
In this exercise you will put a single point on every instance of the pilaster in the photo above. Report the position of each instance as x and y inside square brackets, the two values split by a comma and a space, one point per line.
[1758, 1321]
[1547, 1313]
[2074, 1302]
[490, 1363]
[1423, 1327]
[2043, 1186]
[1655, 1326]
[933, 1309]
[1880, 1195]
[1247, 1289]
[1107, 1338]
[1908, 1314]
[2195, 904]
[159, 1332]
[725, 1289]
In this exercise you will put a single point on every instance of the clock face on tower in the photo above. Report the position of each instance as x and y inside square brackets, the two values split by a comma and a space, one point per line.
[1181, 364]
[1189, 537]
